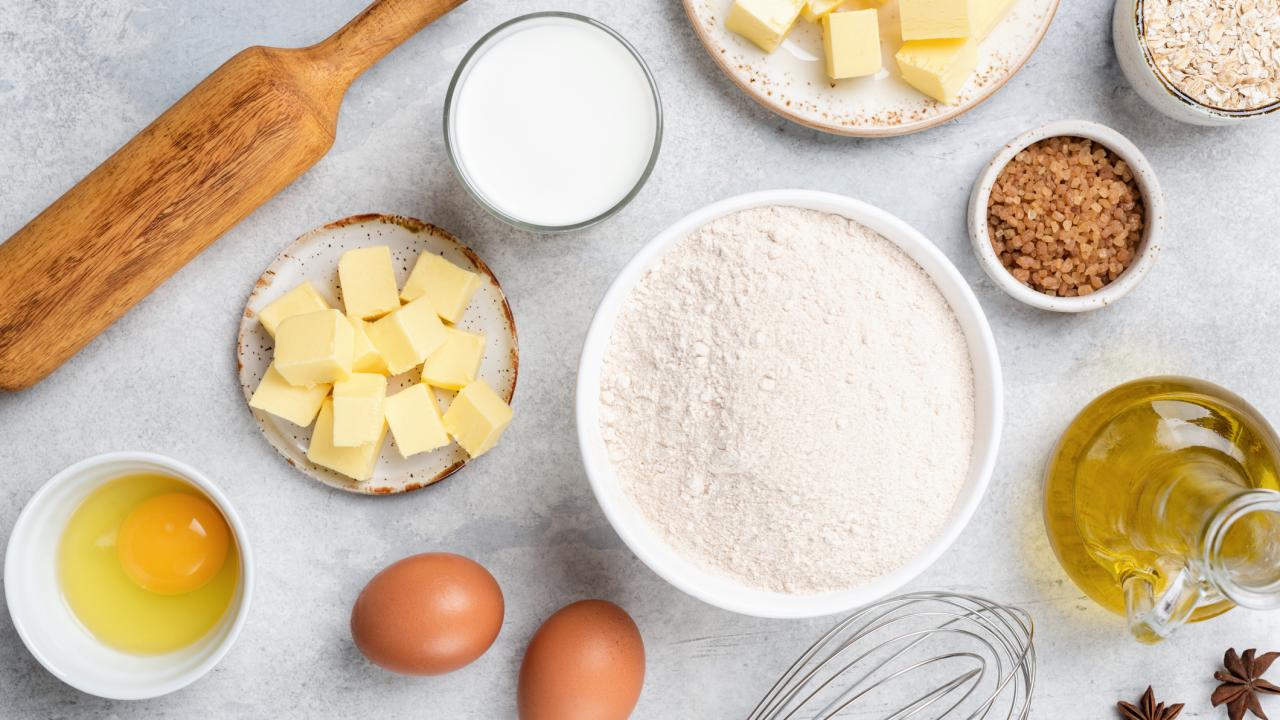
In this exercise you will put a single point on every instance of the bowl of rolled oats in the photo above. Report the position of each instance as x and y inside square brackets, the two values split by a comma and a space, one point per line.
[1206, 62]
[1067, 217]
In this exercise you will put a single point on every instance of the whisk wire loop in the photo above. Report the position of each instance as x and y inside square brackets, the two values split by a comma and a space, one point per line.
[855, 684]
[931, 696]
[970, 654]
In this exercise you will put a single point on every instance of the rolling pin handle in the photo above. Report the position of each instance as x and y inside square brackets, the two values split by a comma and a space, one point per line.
[376, 31]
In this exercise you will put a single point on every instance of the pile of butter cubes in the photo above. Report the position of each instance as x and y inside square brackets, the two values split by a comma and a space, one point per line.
[332, 368]
[939, 52]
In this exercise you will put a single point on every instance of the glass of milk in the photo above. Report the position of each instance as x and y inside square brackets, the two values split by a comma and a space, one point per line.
[553, 121]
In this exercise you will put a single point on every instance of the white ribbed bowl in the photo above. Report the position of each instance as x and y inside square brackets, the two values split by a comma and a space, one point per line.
[723, 591]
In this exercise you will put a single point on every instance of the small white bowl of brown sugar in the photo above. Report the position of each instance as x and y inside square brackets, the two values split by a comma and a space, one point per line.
[1067, 217]
[1205, 62]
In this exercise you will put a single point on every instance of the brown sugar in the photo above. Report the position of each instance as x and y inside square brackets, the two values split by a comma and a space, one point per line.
[1066, 216]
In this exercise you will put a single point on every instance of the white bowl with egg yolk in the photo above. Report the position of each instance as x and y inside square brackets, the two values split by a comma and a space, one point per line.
[723, 591]
[45, 622]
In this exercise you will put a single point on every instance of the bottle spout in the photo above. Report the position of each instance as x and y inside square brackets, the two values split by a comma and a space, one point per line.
[1242, 550]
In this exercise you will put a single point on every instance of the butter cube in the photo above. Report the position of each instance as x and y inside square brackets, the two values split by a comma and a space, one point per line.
[476, 418]
[415, 421]
[936, 19]
[358, 409]
[987, 14]
[297, 404]
[447, 286]
[938, 68]
[815, 10]
[368, 282]
[764, 22]
[457, 362]
[356, 463]
[314, 348]
[408, 336]
[298, 301]
[365, 357]
[852, 42]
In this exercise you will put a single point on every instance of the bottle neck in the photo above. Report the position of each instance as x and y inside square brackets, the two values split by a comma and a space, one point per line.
[1177, 506]
[1206, 522]
[1215, 538]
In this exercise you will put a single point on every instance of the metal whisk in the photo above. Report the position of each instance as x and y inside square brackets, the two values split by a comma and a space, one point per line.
[920, 655]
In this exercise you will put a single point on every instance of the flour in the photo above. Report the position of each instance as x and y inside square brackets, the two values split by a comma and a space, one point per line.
[788, 399]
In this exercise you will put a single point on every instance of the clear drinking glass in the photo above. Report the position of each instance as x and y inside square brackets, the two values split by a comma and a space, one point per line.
[450, 119]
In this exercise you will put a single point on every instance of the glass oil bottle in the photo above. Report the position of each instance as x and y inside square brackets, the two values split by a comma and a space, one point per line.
[1162, 502]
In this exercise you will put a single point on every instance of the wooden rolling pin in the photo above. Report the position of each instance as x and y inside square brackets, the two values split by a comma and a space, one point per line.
[243, 134]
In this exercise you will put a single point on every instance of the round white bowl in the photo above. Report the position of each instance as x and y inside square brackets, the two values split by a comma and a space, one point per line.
[49, 628]
[723, 591]
[1148, 249]
[1151, 85]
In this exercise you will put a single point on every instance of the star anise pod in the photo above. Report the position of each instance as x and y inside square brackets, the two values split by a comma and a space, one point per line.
[1242, 683]
[1148, 709]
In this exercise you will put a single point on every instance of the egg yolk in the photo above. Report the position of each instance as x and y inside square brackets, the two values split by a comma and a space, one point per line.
[173, 543]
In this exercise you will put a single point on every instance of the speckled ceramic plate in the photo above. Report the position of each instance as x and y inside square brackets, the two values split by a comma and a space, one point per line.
[314, 257]
[792, 81]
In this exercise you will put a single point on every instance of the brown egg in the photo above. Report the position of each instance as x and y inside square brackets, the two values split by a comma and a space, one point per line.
[427, 614]
[586, 662]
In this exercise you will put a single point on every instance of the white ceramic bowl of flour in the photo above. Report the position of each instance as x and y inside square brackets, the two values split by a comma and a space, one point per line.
[722, 589]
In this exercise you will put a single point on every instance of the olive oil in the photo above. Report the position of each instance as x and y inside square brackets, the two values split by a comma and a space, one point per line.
[1162, 501]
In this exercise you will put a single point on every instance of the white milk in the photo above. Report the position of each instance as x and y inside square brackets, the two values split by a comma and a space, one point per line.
[555, 122]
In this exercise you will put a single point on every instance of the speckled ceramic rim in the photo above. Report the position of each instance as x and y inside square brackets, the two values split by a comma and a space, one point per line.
[459, 166]
[764, 100]
[1174, 91]
[1148, 249]
[72, 474]
[725, 592]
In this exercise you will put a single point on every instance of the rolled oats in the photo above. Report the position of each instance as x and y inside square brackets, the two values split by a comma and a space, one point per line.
[1221, 53]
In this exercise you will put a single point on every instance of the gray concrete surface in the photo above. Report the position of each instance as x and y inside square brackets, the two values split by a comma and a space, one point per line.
[78, 78]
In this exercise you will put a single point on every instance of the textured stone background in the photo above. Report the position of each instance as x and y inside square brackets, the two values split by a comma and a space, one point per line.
[78, 78]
